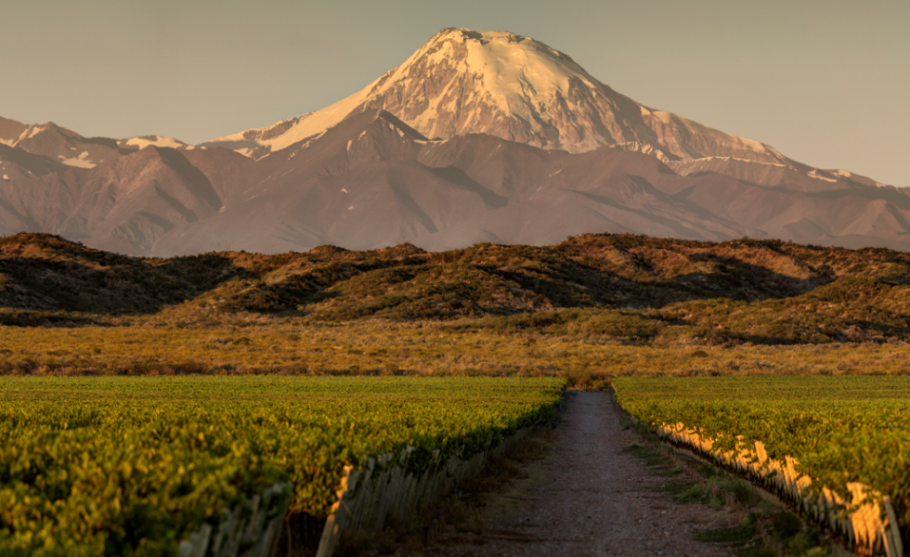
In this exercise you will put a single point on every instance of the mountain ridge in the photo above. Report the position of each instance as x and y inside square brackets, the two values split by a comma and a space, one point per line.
[470, 140]
[372, 181]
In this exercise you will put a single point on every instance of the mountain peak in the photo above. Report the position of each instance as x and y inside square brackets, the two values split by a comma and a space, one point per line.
[494, 82]
[500, 38]
[476, 35]
[513, 87]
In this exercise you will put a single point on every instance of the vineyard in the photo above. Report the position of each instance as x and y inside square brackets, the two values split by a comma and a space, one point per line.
[837, 433]
[142, 399]
[131, 466]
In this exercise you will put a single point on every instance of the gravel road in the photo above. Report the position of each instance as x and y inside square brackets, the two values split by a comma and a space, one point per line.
[587, 497]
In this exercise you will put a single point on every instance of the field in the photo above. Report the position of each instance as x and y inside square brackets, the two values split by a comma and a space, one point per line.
[215, 370]
[92, 466]
[839, 429]
[523, 345]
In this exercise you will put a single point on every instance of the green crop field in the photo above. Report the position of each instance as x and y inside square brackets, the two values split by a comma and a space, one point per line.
[118, 466]
[840, 429]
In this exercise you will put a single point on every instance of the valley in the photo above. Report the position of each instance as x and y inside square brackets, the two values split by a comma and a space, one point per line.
[484, 305]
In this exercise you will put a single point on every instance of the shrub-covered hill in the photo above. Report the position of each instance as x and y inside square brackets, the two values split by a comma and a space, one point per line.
[738, 291]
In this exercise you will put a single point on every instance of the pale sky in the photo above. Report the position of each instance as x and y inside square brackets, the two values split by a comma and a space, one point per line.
[826, 82]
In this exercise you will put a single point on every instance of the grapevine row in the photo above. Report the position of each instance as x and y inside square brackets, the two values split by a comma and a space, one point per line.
[93, 466]
[834, 440]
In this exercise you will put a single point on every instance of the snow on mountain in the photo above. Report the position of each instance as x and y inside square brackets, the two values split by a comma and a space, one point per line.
[156, 140]
[259, 142]
[58, 143]
[515, 88]
[72, 149]
[17, 164]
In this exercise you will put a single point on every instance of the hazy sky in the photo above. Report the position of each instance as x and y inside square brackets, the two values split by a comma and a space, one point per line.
[826, 82]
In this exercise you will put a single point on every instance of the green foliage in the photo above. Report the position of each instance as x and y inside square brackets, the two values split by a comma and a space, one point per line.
[692, 492]
[736, 535]
[785, 525]
[92, 466]
[840, 429]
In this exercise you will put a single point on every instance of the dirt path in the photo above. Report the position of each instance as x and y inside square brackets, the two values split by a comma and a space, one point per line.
[588, 497]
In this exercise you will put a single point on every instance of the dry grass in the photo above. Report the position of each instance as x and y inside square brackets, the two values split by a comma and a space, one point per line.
[254, 344]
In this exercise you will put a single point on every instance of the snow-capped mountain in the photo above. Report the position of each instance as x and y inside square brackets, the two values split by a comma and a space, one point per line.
[475, 137]
[58, 144]
[68, 148]
[515, 88]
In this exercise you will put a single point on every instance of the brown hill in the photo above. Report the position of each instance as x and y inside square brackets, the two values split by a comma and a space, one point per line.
[624, 286]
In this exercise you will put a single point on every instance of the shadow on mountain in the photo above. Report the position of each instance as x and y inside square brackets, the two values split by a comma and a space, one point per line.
[458, 177]
[623, 287]
[44, 273]
[892, 195]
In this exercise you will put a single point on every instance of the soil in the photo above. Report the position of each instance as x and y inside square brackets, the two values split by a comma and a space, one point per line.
[586, 497]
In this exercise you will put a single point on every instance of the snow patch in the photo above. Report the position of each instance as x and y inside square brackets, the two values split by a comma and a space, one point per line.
[306, 125]
[817, 176]
[690, 161]
[156, 140]
[31, 131]
[661, 115]
[80, 162]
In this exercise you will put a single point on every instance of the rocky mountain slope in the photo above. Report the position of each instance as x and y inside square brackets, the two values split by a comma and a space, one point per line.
[124, 205]
[372, 181]
[58, 144]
